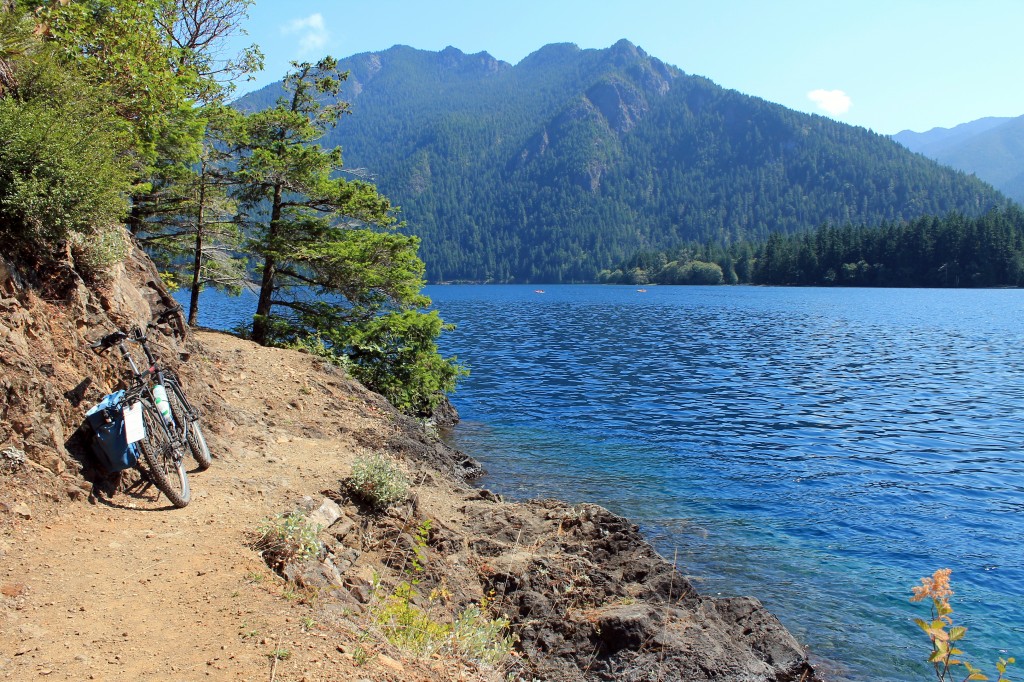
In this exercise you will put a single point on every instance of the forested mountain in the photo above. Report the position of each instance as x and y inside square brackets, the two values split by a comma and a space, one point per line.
[991, 148]
[572, 160]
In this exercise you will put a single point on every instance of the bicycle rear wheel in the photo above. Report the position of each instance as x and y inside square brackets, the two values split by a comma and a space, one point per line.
[163, 455]
[189, 425]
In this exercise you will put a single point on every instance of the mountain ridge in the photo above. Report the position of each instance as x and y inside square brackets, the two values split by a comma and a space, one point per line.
[991, 148]
[574, 159]
[940, 137]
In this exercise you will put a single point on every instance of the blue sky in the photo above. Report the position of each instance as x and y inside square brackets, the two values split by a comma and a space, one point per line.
[885, 65]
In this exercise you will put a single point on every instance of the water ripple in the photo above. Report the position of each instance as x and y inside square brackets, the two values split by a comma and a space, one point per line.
[821, 449]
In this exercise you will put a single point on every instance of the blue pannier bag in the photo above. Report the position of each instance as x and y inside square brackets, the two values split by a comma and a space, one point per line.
[110, 443]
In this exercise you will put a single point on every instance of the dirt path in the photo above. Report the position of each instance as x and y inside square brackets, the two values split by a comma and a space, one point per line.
[130, 589]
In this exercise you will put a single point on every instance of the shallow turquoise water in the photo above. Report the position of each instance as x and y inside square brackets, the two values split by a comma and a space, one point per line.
[821, 449]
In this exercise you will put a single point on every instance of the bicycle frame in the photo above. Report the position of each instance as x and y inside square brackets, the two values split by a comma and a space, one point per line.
[166, 436]
[143, 380]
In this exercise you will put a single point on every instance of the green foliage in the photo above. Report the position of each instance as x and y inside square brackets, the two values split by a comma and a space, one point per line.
[56, 177]
[157, 59]
[316, 346]
[99, 249]
[419, 550]
[121, 45]
[396, 355]
[63, 174]
[287, 538]
[690, 264]
[482, 638]
[408, 626]
[473, 634]
[693, 272]
[191, 227]
[377, 482]
[16, 40]
[566, 163]
[332, 269]
[99, 103]
[952, 251]
[299, 212]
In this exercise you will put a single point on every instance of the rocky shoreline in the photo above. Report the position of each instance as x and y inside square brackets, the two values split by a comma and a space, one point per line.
[585, 595]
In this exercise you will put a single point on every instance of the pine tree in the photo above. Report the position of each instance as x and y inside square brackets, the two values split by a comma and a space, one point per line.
[333, 272]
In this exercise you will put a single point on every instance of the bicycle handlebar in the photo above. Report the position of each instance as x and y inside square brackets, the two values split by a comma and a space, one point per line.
[136, 334]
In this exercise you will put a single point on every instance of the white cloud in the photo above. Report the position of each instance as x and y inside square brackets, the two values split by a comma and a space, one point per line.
[311, 31]
[834, 102]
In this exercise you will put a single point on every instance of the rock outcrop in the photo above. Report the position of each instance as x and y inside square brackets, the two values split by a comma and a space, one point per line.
[51, 377]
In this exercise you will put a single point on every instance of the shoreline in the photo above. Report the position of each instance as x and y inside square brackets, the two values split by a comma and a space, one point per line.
[584, 591]
[117, 587]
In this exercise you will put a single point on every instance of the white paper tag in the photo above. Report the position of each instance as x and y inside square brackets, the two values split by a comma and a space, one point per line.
[134, 429]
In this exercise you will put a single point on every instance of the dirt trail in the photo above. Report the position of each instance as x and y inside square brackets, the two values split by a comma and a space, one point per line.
[128, 588]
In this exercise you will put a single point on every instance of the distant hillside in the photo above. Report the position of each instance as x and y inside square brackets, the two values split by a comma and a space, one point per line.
[573, 160]
[991, 148]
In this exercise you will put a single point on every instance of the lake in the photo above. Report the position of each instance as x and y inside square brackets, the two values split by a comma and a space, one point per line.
[820, 449]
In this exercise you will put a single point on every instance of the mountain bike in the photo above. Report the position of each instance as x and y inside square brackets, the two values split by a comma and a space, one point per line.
[186, 418]
[169, 430]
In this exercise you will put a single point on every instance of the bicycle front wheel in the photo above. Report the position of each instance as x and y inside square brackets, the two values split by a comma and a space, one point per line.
[189, 425]
[163, 455]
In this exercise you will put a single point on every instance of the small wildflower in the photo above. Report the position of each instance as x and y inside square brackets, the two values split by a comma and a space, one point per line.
[944, 635]
[936, 587]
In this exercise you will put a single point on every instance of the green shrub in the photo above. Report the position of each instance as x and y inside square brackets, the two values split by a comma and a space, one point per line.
[98, 250]
[396, 355]
[64, 166]
[410, 627]
[481, 638]
[473, 635]
[315, 345]
[377, 482]
[287, 538]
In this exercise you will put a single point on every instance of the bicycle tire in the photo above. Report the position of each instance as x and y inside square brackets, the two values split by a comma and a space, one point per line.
[190, 425]
[164, 458]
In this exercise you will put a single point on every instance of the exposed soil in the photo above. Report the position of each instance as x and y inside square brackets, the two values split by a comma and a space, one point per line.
[131, 589]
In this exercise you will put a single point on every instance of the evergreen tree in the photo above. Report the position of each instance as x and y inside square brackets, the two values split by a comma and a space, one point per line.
[200, 239]
[332, 270]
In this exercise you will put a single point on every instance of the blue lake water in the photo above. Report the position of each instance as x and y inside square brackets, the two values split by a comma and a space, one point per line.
[820, 449]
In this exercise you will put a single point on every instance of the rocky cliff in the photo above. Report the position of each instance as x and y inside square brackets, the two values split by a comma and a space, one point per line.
[110, 589]
[51, 377]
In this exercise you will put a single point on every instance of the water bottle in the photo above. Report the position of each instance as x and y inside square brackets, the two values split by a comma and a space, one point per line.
[164, 407]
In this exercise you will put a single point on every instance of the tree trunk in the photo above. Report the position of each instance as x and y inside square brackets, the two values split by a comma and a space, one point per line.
[261, 322]
[197, 266]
